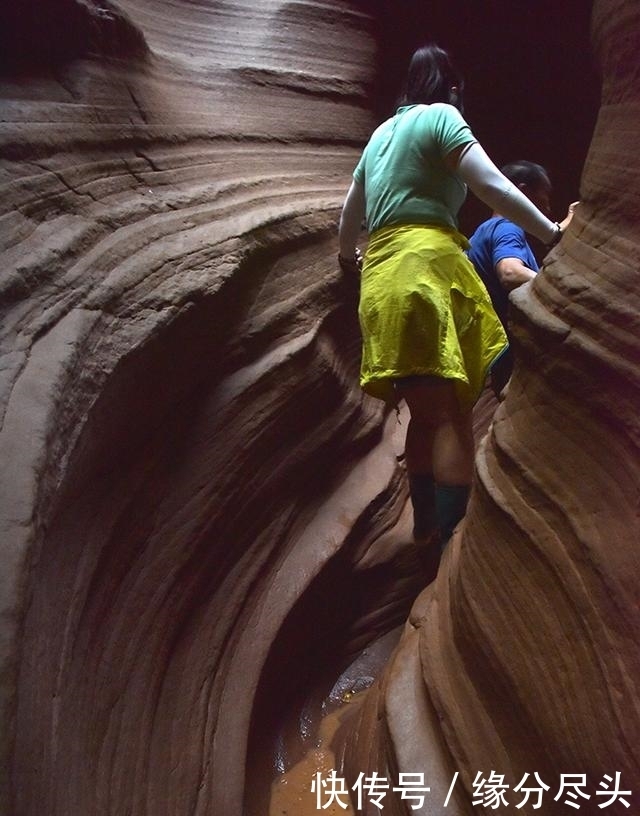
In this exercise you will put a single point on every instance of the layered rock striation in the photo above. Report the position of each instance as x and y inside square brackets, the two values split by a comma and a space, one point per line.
[522, 656]
[194, 489]
[179, 415]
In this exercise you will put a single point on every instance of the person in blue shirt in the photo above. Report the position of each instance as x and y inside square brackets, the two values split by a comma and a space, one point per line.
[501, 254]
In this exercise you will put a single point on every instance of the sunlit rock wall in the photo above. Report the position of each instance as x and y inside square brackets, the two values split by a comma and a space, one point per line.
[523, 656]
[180, 414]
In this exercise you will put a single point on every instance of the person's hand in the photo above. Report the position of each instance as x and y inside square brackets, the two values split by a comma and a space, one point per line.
[351, 265]
[567, 219]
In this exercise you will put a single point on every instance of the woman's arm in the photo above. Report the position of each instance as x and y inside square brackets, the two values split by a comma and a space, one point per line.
[475, 168]
[568, 217]
[353, 212]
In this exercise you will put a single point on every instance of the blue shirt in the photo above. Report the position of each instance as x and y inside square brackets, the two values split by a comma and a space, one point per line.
[493, 241]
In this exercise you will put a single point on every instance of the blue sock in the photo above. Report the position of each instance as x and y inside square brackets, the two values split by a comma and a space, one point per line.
[450, 507]
[422, 487]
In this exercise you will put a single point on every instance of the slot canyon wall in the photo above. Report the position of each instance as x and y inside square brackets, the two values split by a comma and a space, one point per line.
[200, 514]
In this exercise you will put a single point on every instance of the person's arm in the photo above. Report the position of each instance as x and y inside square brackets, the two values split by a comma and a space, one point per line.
[351, 219]
[512, 272]
[353, 212]
[511, 256]
[567, 219]
[475, 168]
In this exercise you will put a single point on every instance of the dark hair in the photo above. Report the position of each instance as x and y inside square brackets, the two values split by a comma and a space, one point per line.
[432, 78]
[525, 172]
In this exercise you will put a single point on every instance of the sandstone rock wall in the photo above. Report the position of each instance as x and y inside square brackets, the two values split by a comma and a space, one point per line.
[527, 640]
[178, 385]
[185, 451]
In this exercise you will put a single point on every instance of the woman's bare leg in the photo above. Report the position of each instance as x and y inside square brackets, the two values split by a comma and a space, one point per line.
[439, 449]
[439, 436]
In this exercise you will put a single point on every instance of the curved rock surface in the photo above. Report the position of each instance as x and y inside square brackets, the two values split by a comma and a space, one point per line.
[527, 641]
[179, 414]
[195, 496]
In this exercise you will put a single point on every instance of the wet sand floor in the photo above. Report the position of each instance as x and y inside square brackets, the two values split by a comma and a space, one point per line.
[291, 791]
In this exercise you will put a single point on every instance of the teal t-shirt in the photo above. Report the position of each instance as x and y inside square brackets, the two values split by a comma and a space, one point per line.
[402, 170]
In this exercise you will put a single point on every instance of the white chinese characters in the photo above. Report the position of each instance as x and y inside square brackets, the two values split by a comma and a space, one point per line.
[489, 792]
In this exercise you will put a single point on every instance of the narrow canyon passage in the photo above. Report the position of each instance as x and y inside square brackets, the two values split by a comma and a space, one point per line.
[204, 524]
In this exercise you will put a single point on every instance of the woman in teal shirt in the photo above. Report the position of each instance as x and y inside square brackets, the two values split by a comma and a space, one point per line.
[429, 333]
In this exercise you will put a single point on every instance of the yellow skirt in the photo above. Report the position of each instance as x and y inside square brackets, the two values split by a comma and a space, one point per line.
[424, 311]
